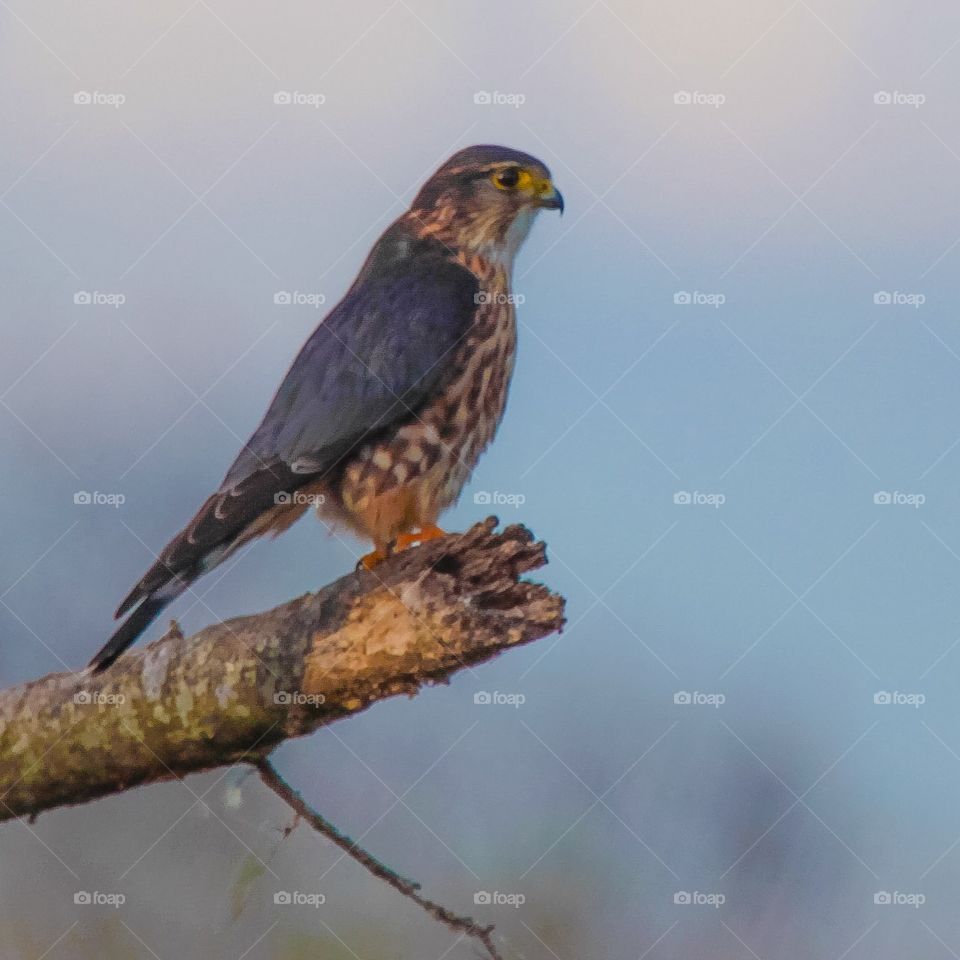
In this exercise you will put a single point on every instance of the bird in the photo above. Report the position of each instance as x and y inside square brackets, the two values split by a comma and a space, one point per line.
[384, 413]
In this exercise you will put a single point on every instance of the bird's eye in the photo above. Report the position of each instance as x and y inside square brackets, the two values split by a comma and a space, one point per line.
[507, 179]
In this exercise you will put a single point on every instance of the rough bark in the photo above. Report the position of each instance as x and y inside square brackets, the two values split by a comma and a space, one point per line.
[235, 690]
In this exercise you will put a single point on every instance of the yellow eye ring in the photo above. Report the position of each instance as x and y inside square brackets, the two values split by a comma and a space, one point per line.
[512, 178]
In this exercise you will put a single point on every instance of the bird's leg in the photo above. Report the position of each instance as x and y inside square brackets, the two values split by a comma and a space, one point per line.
[429, 531]
[381, 552]
[373, 559]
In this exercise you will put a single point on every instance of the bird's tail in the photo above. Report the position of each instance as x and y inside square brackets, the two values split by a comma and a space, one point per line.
[128, 631]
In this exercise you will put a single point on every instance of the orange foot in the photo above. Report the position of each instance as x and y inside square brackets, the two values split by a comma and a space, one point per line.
[428, 532]
[373, 559]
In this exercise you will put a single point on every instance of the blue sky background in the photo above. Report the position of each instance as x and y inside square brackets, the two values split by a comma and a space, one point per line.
[784, 189]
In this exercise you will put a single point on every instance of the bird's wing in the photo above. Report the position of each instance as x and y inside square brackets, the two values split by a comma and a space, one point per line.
[379, 354]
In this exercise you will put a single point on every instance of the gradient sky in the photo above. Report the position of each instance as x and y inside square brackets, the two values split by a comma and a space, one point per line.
[812, 177]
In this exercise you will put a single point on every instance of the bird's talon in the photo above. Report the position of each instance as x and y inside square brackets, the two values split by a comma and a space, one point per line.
[428, 532]
[371, 560]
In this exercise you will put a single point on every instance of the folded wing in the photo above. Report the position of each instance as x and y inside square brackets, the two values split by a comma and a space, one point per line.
[379, 355]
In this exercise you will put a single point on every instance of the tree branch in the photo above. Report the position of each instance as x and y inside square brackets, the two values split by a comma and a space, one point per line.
[464, 925]
[235, 690]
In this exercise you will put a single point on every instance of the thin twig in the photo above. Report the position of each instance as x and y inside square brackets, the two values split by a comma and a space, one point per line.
[464, 925]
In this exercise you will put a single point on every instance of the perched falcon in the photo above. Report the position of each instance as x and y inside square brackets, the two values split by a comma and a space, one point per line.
[385, 411]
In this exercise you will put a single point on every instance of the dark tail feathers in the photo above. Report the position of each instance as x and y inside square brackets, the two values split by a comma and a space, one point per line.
[128, 631]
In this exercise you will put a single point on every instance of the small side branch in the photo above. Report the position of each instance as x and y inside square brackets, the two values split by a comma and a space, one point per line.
[464, 925]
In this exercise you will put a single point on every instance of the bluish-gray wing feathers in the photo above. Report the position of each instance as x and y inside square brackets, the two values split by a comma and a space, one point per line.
[380, 353]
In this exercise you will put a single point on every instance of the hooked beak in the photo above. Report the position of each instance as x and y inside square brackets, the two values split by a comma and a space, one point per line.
[554, 201]
[548, 197]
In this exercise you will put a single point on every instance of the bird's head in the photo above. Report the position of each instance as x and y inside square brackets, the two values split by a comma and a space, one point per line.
[485, 198]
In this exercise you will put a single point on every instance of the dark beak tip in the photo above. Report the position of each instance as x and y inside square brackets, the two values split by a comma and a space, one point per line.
[555, 202]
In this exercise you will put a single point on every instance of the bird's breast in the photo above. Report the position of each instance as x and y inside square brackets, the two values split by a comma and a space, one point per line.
[408, 477]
